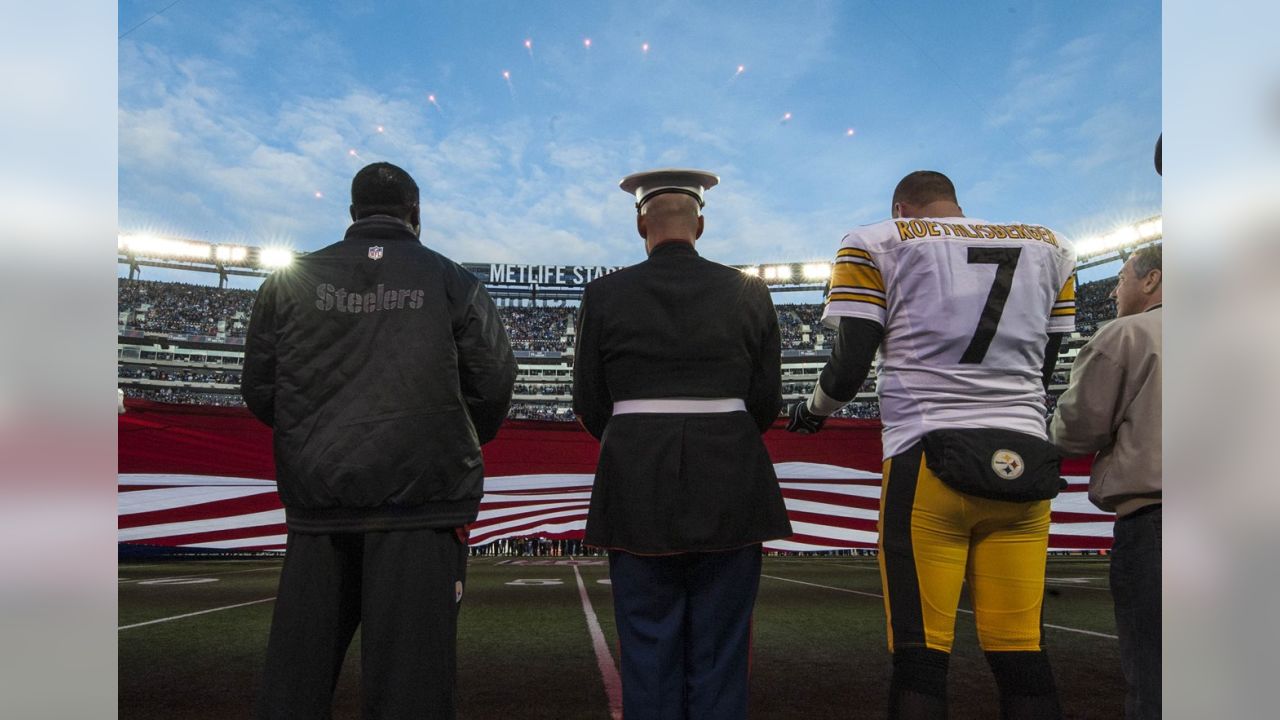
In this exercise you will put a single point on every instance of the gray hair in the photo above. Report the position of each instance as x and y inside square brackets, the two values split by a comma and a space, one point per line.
[1146, 259]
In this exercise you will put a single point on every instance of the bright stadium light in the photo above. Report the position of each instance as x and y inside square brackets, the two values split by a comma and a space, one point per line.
[153, 246]
[275, 257]
[230, 253]
[1151, 229]
[753, 271]
[817, 271]
[1145, 231]
[781, 272]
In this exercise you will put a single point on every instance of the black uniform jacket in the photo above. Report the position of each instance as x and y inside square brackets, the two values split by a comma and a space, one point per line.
[680, 326]
[382, 366]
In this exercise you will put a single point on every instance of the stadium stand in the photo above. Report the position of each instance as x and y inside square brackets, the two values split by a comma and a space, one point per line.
[183, 343]
[1094, 305]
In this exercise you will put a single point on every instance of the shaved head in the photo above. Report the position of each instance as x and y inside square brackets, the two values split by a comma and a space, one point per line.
[669, 216]
[923, 187]
[926, 193]
[669, 205]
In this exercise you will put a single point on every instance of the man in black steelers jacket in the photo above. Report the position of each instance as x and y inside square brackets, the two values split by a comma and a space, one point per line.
[677, 372]
[382, 367]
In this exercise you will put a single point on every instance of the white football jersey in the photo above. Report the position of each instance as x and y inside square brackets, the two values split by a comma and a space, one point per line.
[967, 307]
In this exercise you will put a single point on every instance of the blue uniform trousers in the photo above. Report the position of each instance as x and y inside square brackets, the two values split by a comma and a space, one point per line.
[684, 626]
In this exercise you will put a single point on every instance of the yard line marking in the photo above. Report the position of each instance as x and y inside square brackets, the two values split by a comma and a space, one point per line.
[966, 612]
[825, 587]
[1076, 630]
[604, 659]
[198, 612]
[200, 575]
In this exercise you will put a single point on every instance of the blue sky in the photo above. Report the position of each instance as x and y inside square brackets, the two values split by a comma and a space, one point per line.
[233, 116]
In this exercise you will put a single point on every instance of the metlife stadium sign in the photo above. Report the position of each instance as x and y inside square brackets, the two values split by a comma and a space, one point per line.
[531, 275]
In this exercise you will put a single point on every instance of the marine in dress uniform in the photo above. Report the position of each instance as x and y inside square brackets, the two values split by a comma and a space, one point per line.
[971, 314]
[677, 371]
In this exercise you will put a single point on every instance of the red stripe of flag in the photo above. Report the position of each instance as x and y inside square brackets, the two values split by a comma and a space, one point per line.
[231, 507]
[211, 536]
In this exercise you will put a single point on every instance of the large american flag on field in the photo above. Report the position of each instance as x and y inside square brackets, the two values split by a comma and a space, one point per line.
[202, 478]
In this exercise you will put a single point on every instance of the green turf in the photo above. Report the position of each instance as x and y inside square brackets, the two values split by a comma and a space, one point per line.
[524, 651]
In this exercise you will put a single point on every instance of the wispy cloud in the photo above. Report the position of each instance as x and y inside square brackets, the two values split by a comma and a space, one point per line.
[232, 130]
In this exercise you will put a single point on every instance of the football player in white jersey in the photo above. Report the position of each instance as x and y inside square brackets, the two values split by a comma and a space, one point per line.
[968, 316]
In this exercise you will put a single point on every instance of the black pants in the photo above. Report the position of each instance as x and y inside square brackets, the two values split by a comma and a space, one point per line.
[1135, 586]
[684, 627]
[402, 589]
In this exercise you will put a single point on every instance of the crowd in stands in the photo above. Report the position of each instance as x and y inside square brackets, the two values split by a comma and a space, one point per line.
[539, 411]
[805, 388]
[537, 547]
[538, 323]
[196, 375]
[166, 307]
[184, 396]
[1094, 304]
[866, 410]
[180, 308]
[544, 389]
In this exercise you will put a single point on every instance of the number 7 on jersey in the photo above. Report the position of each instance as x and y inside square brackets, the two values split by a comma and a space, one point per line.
[1006, 261]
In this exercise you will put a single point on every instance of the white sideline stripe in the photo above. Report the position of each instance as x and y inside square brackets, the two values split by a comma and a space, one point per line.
[966, 612]
[604, 659]
[198, 612]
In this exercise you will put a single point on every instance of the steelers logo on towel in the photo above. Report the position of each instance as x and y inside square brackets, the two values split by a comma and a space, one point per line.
[1007, 464]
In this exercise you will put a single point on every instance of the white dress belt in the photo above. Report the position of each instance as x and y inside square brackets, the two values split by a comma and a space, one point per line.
[680, 405]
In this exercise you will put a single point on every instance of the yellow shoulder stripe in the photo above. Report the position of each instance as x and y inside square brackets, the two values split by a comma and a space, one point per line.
[856, 297]
[857, 276]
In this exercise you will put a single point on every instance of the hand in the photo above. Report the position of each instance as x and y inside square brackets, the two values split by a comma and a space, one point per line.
[803, 421]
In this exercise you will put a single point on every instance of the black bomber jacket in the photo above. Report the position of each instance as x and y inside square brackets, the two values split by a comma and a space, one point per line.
[382, 366]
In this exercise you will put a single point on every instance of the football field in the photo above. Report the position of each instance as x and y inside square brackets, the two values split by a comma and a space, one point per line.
[537, 640]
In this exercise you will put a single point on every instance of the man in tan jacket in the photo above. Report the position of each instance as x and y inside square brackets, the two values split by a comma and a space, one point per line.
[1112, 407]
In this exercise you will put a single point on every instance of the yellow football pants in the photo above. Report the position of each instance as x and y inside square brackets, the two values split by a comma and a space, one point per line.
[933, 538]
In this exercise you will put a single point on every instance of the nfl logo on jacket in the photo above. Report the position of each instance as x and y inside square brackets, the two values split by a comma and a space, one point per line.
[375, 252]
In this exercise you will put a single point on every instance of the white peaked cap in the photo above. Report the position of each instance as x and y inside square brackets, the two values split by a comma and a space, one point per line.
[645, 185]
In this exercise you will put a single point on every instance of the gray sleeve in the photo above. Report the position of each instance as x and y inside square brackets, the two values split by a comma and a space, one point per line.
[258, 379]
[486, 364]
[1088, 413]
